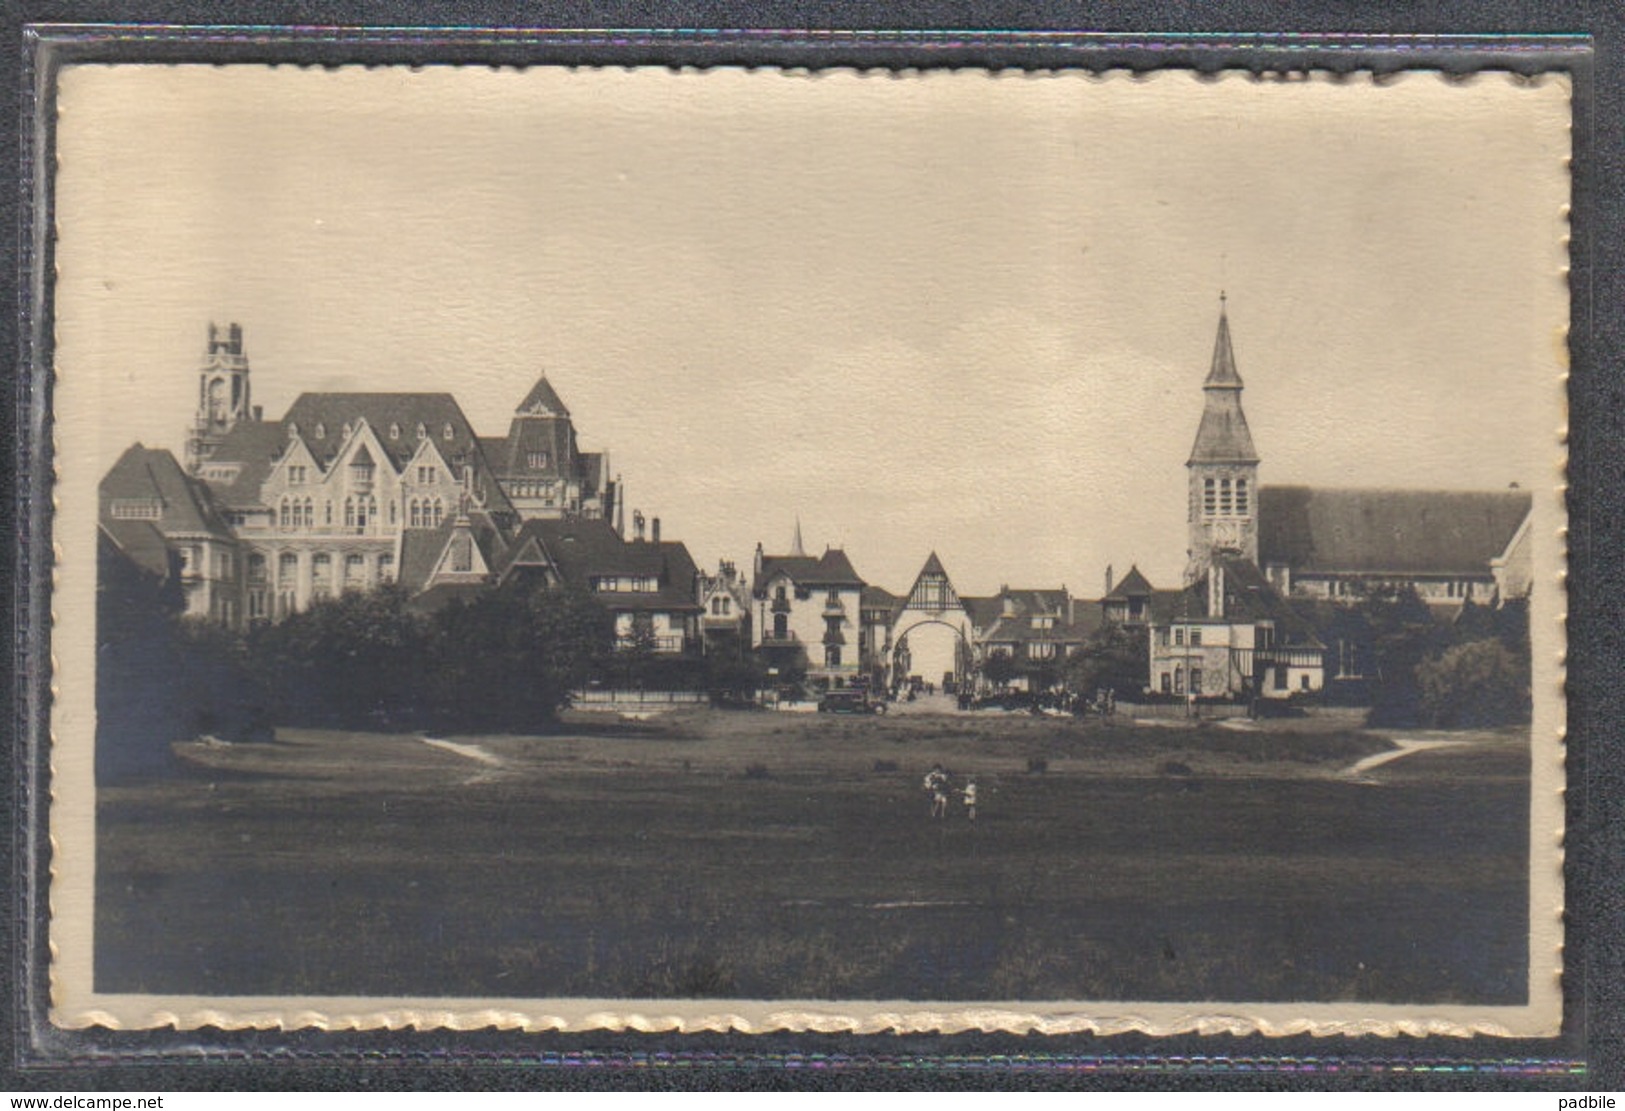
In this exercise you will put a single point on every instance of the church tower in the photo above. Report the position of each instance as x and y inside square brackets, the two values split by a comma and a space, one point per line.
[223, 398]
[1222, 511]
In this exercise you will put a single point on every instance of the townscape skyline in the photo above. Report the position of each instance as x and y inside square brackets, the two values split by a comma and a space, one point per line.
[996, 358]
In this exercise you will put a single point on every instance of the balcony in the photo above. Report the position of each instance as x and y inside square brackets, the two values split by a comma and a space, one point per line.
[785, 639]
[780, 605]
[834, 608]
[667, 645]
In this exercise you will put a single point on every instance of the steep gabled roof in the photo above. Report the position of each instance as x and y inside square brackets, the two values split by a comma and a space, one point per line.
[329, 413]
[254, 446]
[877, 598]
[1248, 597]
[542, 401]
[1377, 531]
[583, 550]
[1007, 617]
[830, 569]
[144, 473]
[933, 571]
[983, 611]
[141, 543]
[1134, 585]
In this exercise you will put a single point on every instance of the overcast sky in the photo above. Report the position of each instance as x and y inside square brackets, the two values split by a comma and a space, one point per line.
[948, 312]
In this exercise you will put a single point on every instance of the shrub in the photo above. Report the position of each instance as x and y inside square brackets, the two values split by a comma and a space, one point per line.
[1480, 683]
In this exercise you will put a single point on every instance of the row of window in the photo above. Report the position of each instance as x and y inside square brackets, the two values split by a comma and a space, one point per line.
[321, 569]
[1223, 497]
[624, 584]
[447, 431]
[1174, 683]
[721, 605]
[1038, 650]
[138, 509]
[1181, 636]
[299, 474]
[359, 512]
[543, 490]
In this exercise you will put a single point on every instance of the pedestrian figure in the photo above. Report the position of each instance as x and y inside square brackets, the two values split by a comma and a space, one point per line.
[970, 799]
[936, 785]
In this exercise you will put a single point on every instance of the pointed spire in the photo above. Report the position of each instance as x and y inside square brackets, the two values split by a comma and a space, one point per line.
[1223, 436]
[1222, 374]
[796, 548]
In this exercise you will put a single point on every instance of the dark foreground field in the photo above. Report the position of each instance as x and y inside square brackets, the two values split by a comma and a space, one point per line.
[776, 856]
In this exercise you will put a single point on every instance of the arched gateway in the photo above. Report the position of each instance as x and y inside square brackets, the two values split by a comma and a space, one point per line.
[931, 632]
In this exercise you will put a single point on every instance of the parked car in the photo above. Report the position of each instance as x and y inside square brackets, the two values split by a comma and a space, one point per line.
[849, 702]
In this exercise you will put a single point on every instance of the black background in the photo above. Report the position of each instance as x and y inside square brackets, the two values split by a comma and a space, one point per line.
[39, 1059]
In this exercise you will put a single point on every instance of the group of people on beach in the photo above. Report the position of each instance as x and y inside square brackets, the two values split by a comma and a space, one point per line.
[939, 788]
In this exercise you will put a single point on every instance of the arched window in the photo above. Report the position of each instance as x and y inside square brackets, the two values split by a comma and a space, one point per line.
[327, 512]
[287, 569]
[832, 655]
[349, 513]
[392, 512]
[310, 513]
[1210, 497]
[438, 511]
[1241, 497]
[366, 510]
[414, 515]
[394, 430]
[386, 568]
[283, 517]
[781, 625]
[447, 432]
[321, 431]
[423, 430]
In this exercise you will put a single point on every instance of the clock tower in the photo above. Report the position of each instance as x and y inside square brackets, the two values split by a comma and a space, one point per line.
[1222, 510]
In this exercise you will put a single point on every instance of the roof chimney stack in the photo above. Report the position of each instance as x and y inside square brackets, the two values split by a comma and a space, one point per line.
[654, 530]
[1108, 580]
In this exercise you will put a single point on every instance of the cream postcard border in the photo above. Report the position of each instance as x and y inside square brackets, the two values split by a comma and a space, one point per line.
[72, 805]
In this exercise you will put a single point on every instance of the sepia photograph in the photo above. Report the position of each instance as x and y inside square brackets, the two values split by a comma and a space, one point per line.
[572, 548]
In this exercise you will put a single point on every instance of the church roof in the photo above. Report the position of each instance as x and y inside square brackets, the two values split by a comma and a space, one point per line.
[1134, 585]
[1380, 531]
[542, 401]
[144, 473]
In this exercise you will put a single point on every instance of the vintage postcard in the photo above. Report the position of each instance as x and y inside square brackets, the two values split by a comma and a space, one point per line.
[569, 548]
